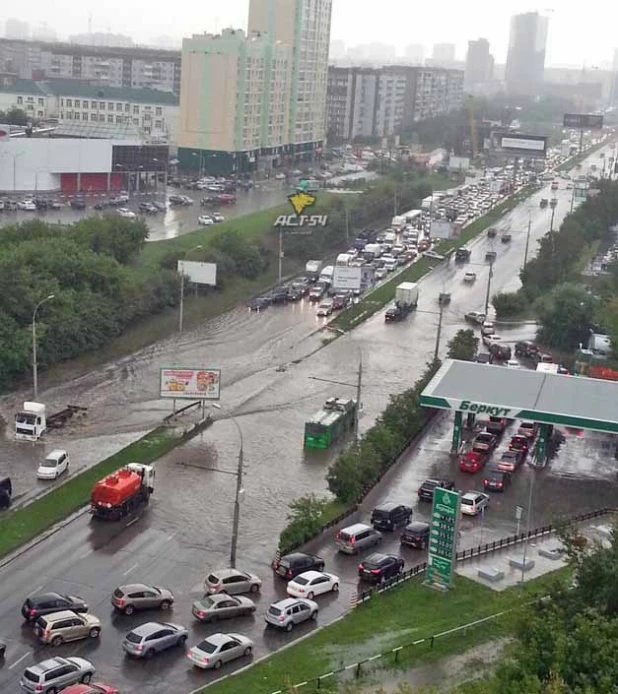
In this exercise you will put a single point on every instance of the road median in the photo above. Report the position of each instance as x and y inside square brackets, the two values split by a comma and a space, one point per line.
[20, 526]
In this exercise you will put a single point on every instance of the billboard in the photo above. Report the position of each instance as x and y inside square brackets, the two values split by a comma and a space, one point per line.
[523, 145]
[199, 273]
[189, 383]
[347, 278]
[442, 230]
[583, 121]
[458, 163]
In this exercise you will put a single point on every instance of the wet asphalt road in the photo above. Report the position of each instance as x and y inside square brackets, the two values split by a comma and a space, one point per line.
[189, 521]
[178, 220]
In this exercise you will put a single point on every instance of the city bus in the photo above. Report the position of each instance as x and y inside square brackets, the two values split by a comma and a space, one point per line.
[334, 421]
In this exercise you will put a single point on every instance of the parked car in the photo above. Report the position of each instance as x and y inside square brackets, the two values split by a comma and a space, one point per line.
[380, 567]
[475, 317]
[211, 608]
[78, 204]
[510, 460]
[41, 604]
[260, 303]
[525, 348]
[147, 207]
[295, 563]
[325, 307]
[473, 503]
[54, 674]
[217, 649]
[59, 627]
[426, 490]
[495, 480]
[92, 688]
[433, 255]
[217, 217]
[519, 443]
[528, 429]
[499, 351]
[232, 582]
[472, 461]
[27, 205]
[484, 358]
[161, 206]
[357, 537]
[484, 442]
[512, 364]
[389, 515]
[312, 583]
[487, 328]
[287, 613]
[125, 213]
[469, 277]
[416, 535]
[54, 465]
[139, 596]
[205, 220]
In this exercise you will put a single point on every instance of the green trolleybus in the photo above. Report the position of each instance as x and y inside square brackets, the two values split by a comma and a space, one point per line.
[331, 423]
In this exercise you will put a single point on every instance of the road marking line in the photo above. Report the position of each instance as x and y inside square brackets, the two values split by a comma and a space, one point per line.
[37, 589]
[17, 662]
[128, 571]
[128, 525]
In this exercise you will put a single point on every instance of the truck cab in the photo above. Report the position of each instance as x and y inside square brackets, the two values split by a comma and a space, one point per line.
[30, 423]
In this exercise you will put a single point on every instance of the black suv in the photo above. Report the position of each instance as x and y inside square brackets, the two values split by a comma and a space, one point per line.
[416, 535]
[389, 515]
[279, 295]
[462, 255]
[380, 567]
[496, 480]
[525, 348]
[47, 603]
[426, 490]
[291, 565]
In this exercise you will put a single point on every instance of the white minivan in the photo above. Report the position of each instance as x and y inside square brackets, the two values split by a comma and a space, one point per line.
[54, 465]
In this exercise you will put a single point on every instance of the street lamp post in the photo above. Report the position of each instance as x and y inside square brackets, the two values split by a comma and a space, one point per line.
[182, 289]
[239, 471]
[489, 277]
[35, 366]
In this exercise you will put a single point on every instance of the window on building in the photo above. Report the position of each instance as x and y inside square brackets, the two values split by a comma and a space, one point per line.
[77, 103]
[93, 116]
[30, 107]
[69, 115]
[39, 114]
[136, 121]
[102, 105]
[159, 111]
[118, 107]
[30, 99]
[127, 108]
[110, 105]
[69, 103]
[93, 104]
[136, 109]
[118, 119]
[158, 124]
[41, 102]
[110, 118]
[20, 100]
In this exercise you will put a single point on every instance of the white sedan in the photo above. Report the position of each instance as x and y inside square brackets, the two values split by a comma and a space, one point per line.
[217, 649]
[312, 583]
[217, 217]
[126, 213]
[513, 364]
[473, 503]
[27, 205]
[205, 220]
[470, 277]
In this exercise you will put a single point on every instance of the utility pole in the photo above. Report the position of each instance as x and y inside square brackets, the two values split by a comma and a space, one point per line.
[581, 141]
[439, 333]
[280, 252]
[35, 364]
[527, 241]
[395, 203]
[347, 225]
[491, 274]
[528, 521]
[553, 212]
[359, 388]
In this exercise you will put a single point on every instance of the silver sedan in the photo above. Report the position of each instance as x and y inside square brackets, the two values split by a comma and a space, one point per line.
[217, 649]
[214, 607]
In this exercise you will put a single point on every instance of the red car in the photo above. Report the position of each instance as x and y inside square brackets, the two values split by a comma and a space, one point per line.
[472, 461]
[519, 443]
[92, 688]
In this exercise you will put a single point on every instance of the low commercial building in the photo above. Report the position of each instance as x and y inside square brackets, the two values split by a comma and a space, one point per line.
[154, 111]
[79, 158]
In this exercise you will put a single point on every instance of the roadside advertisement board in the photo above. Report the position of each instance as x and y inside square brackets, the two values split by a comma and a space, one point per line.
[523, 145]
[198, 273]
[443, 536]
[347, 278]
[458, 163]
[583, 121]
[189, 383]
[442, 230]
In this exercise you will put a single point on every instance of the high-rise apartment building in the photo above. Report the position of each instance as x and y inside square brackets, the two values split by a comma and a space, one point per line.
[525, 62]
[365, 102]
[16, 29]
[234, 101]
[304, 26]
[414, 53]
[444, 52]
[132, 67]
[479, 63]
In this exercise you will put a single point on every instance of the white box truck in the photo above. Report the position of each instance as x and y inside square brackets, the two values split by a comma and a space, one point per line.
[327, 274]
[313, 269]
[343, 260]
[30, 423]
[406, 300]
[372, 251]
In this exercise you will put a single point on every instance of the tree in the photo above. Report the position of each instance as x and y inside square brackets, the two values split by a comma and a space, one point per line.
[305, 520]
[508, 304]
[14, 116]
[566, 315]
[463, 346]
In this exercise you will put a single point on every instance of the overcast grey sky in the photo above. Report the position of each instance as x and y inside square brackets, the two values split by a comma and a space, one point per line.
[576, 35]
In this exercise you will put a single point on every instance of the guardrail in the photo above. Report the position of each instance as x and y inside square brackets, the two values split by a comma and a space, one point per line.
[486, 548]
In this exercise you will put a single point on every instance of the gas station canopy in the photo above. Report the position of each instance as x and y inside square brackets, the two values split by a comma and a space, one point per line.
[572, 401]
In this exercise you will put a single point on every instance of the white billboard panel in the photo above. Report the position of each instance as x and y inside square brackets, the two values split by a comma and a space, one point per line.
[459, 163]
[189, 383]
[199, 273]
[522, 143]
[347, 278]
[442, 230]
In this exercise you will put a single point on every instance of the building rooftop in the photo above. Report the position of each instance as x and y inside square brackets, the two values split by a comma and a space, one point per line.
[21, 86]
[574, 401]
[99, 131]
[86, 90]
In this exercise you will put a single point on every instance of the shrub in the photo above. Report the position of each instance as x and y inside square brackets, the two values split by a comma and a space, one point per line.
[509, 304]
[304, 521]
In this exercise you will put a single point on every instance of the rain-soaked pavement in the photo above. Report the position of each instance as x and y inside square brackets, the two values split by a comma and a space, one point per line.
[186, 529]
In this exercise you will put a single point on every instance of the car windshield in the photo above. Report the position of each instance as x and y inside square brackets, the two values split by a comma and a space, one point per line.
[206, 602]
[49, 462]
[274, 610]
[467, 502]
[132, 637]
[430, 484]
[207, 646]
[301, 580]
[33, 677]
[214, 579]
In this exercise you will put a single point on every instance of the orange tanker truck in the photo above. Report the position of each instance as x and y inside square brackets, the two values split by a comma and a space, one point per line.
[122, 492]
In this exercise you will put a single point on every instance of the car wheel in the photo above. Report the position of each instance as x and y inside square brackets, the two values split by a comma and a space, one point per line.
[309, 596]
[217, 665]
[248, 650]
[52, 690]
[165, 605]
[289, 626]
[94, 633]
[129, 609]
[182, 640]
[86, 678]
[57, 641]
[149, 653]
[314, 615]
[335, 588]
[254, 588]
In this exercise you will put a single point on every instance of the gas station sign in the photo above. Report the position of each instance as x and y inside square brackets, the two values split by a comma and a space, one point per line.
[443, 534]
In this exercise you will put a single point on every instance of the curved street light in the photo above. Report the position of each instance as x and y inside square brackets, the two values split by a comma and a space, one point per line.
[35, 366]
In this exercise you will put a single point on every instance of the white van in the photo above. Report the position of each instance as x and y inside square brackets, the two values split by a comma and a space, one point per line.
[327, 274]
[53, 466]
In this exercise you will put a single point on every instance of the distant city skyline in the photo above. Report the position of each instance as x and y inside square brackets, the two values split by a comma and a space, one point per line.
[354, 23]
